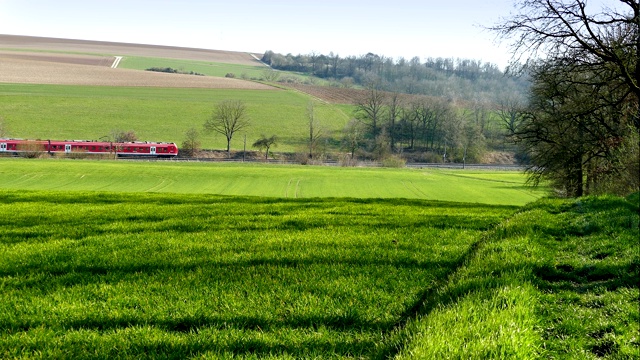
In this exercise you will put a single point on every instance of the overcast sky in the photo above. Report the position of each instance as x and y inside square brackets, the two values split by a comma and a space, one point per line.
[393, 28]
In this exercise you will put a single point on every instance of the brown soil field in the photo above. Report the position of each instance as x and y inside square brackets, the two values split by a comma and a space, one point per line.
[14, 42]
[42, 67]
[59, 58]
[47, 72]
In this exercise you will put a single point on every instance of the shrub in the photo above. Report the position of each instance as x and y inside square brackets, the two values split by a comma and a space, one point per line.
[31, 149]
[393, 161]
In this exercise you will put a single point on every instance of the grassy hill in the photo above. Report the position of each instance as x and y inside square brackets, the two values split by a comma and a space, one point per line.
[158, 107]
[157, 114]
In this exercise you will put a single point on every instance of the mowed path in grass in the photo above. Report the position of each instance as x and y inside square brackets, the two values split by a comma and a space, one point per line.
[283, 181]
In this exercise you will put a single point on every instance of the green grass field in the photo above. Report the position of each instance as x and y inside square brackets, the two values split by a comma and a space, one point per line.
[132, 275]
[557, 280]
[118, 259]
[203, 67]
[288, 181]
[118, 275]
[157, 114]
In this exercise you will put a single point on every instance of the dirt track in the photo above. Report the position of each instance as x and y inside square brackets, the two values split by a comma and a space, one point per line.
[30, 67]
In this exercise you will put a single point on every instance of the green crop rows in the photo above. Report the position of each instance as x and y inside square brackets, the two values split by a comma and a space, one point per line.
[126, 275]
[97, 273]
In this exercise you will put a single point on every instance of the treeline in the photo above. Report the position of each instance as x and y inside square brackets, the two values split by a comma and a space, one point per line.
[443, 77]
[421, 128]
[581, 126]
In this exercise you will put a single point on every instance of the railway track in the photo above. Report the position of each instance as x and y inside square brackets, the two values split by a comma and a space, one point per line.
[336, 163]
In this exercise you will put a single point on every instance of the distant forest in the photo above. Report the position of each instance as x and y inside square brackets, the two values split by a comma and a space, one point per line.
[454, 79]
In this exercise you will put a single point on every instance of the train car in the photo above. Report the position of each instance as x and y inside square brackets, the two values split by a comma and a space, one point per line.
[121, 149]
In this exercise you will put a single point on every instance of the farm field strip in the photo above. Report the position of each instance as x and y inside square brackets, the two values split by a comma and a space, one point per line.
[208, 68]
[180, 275]
[289, 181]
[38, 72]
[42, 44]
[156, 114]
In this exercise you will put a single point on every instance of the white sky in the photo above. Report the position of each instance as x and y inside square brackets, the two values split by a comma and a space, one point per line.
[400, 28]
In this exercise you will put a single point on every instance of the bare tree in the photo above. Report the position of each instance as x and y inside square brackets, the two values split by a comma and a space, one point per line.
[394, 111]
[452, 136]
[572, 136]
[229, 117]
[191, 144]
[315, 132]
[585, 65]
[370, 109]
[511, 112]
[121, 136]
[353, 136]
[586, 40]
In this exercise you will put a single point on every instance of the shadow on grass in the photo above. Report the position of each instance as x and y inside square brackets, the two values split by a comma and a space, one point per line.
[255, 347]
[48, 278]
[347, 322]
[585, 278]
[105, 198]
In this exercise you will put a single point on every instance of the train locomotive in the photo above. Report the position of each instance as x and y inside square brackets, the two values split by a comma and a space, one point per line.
[70, 147]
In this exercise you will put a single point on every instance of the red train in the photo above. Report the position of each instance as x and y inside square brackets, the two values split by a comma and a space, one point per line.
[122, 149]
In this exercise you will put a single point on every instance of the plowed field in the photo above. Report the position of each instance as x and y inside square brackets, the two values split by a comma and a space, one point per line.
[58, 58]
[122, 49]
[22, 64]
[44, 72]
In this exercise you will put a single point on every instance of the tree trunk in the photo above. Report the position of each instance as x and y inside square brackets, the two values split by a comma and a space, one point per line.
[575, 177]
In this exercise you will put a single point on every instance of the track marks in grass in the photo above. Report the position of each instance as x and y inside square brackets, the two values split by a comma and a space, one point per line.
[293, 188]
[162, 184]
[413, 188]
